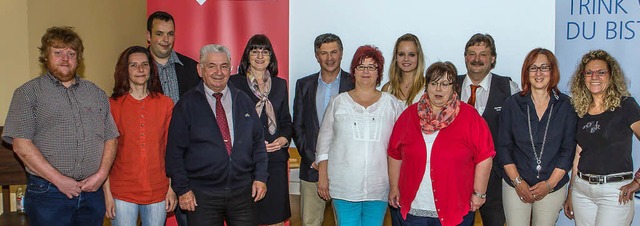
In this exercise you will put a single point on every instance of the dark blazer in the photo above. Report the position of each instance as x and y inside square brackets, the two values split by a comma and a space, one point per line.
[196, 155]
[187, 74]
[305, 120]
[279, 97]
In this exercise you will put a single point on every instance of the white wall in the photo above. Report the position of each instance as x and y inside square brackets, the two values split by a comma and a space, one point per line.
[442, 26]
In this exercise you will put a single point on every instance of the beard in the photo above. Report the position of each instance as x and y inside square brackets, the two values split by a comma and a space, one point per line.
[63, 73]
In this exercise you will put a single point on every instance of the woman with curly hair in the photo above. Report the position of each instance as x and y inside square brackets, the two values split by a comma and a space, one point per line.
[602, 183]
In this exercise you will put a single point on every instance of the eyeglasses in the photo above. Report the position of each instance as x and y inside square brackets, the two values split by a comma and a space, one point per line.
[542, 68]
[367, 68]
[441, 84]
[264, 52]
[599, 73]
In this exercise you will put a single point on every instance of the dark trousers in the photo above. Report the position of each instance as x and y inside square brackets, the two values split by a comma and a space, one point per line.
[215, 207]
[411, 220]
[181, 216]
[46, 205]
[492, 212]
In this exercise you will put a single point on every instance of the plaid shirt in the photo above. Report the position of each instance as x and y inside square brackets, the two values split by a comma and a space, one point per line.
[69, 126]
[169, 77]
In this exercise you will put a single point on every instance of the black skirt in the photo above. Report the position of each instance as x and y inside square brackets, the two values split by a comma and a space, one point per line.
[275, 207]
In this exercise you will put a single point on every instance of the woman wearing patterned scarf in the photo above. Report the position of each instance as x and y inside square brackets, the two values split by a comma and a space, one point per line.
[257, 77]
[440, 155]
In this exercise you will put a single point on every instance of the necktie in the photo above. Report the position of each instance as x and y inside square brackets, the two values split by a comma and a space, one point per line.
[472, 98]
[221, 118]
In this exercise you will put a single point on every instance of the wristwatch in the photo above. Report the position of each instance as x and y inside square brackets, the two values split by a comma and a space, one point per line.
[482, 196]
[517, 181]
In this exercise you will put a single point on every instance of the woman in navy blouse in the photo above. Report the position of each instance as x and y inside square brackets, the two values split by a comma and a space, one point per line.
[536, 144]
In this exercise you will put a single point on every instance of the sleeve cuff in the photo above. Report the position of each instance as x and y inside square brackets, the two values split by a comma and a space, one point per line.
[321, 158]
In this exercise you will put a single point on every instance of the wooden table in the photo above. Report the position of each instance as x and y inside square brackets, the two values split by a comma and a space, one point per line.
[11, 173]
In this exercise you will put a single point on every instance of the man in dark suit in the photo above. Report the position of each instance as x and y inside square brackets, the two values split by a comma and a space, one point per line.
[177, 72]
[486, 92]
[312, 96]
[216, 155]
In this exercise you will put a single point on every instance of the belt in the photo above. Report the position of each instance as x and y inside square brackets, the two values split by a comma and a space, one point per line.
[603, 179]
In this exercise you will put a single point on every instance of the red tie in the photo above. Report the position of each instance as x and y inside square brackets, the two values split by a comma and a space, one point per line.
[472, 98]
[221, 118]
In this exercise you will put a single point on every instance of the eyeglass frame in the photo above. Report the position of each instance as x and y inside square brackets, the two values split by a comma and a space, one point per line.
[540, 68]
[600, 73]
[440, 84]
[366, 68]
[256, 52]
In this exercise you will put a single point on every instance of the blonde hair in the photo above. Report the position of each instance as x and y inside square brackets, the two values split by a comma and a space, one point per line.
[395, 73]
[581, 97]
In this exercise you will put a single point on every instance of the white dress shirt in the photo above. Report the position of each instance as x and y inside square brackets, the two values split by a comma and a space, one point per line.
[354, 140]
[482, 92]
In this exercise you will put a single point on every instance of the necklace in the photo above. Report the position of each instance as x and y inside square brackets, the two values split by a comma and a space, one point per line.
[544, 140]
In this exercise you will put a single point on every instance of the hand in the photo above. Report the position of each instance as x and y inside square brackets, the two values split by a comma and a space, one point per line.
[539, 190]
[627, 191]
[476, 202]
[277, 144]
[394, 197]
[258, 190]
[93, 182]
[188, 201]
[111, 206]
[171, 200]
[524, 193]
[69, 187]
[314, 165]
[323, 187]
[568, 206]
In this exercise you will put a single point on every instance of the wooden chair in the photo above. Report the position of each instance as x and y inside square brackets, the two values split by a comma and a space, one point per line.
[11, 173]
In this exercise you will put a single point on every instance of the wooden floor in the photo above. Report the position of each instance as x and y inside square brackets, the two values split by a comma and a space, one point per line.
[329, 218]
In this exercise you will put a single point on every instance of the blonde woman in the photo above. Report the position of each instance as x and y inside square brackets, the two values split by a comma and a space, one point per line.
[406, 74]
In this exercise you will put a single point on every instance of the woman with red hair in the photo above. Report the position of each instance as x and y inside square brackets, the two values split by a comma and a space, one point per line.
[352, 144]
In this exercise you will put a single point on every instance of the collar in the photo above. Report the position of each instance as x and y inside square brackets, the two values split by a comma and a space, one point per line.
[320, 81]
[173, 59]
[485, 83]
[225, 92]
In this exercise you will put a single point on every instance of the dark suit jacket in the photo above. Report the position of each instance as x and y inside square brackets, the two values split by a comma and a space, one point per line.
[196, 155]
[187, 73]
[305, 120]
[279, 97]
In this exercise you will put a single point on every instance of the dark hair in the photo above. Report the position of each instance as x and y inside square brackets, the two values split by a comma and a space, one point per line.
[441, 69]
[326, 38]
[364, 52]
[258, 41]
[159, 15]
[529, 60]
[60, 37]
[121, 74]
[485, 39]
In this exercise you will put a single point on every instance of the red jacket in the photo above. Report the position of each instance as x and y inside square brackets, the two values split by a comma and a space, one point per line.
[456, 151]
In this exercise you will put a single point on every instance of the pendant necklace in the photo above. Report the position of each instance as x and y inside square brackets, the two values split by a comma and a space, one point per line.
[544, 140]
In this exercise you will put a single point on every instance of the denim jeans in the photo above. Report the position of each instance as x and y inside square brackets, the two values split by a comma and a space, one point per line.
[150, 215]
[46, 205]
[411, 220]
[363, 213]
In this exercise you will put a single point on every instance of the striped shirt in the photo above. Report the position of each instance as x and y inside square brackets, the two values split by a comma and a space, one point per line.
[169, 77]
[69, 126]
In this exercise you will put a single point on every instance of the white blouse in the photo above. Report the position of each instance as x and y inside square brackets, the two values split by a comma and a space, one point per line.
[354, 140]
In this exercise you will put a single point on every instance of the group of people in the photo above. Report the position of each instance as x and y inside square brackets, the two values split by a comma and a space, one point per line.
[433, 147]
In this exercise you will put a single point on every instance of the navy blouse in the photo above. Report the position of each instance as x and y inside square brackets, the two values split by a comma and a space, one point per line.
[514, 142]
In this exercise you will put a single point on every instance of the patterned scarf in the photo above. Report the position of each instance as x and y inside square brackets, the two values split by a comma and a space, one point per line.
[429, 123]
[263, 98]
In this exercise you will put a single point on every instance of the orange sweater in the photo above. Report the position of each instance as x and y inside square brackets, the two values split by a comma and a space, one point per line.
[138, 172]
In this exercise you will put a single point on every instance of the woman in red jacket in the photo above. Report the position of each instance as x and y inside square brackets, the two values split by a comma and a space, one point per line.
[440, 155]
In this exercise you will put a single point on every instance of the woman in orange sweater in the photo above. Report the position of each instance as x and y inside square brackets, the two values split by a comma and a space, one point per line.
[137, 183]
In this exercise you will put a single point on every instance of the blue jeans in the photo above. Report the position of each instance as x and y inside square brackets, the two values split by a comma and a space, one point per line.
[364, 213]
[411, 220]
[150, 215]
[46, 205]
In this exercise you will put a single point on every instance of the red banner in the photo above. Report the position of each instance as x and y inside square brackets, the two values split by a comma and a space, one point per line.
[230, 23]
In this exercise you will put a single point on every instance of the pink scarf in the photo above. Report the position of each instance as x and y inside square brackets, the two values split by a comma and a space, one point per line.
[429, 123]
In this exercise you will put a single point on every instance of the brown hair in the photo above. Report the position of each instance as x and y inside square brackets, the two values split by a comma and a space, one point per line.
[528, 61]
[121, 74]
[60, 37]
